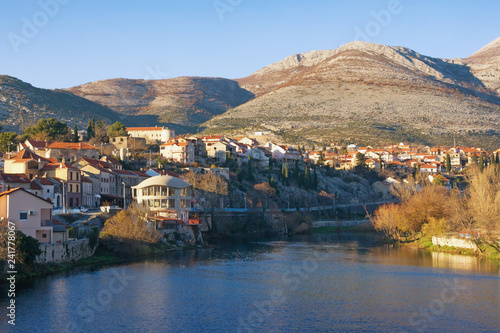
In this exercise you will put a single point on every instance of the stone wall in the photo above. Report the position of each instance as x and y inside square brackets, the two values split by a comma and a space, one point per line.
[462, 243]
[65, 252]
[185, 234]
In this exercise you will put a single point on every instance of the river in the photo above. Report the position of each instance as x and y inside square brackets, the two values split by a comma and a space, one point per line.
[318, 283]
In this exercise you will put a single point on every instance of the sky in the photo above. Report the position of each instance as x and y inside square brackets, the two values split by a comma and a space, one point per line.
[64, 43]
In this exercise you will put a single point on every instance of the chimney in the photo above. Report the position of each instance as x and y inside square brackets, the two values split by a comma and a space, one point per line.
[80, 145]
[68, 144]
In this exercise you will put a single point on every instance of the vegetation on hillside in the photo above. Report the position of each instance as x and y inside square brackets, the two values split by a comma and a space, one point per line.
[429, 210]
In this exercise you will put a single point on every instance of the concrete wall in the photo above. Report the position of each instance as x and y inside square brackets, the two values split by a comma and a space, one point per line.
[462, 243]
[65, 252]
[335, 223]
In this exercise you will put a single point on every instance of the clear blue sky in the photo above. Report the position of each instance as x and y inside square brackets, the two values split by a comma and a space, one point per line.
[89, 40]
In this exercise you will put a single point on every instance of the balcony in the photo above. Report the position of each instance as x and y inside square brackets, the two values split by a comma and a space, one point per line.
[46, 223]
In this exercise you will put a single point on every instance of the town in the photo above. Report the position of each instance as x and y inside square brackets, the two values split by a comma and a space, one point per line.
[147, 165]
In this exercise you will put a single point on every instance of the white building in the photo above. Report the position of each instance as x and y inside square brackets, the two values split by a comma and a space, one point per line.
[151, 134]
[180, 151]
[167, 197]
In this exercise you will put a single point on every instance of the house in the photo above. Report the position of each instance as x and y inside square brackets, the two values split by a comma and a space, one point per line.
[259, 155]
[373, 164]
[60, 231]
[48, 189]
[430, 168]
[36, 146]
[200, 151]
[13, 180]
[26, 162]
[104, 181]
[126, 142]
[71, 151]
[157, 172]
[31, 214]
[218, 150]
[151, 134]
[113, 162]
[283, 152]
[249, 141]
[168, 198]
[88, 194]
[71, 179]
[125, 180]
[178, 150]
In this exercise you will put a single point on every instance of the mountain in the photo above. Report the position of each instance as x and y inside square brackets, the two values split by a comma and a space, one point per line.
[187, 101]
[22, 105]
[361, 92]
[370, 93]
[485, 65]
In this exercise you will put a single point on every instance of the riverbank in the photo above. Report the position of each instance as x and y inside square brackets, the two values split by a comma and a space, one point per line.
[425, 243]
[105, 254]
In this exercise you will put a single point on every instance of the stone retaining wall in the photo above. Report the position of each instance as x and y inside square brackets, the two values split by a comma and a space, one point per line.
[65, 252]
[462, 243]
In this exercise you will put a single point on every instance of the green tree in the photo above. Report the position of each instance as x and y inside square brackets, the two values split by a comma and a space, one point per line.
[117, 129]
[53, 128]
[7, 141]
[448, 163]
[474, 159]
[360, 159]
[321, 159]
[91, 129]
[75, 134]
[481, 163]
[438, 180]
[497, 158]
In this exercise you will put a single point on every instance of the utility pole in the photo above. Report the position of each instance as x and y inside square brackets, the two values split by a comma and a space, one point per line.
[63, 198]
[124, 191]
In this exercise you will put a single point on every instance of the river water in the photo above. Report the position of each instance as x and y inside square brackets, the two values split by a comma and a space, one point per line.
[318, 283]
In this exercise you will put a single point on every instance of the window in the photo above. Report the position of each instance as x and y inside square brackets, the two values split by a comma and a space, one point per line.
[171, 203]
[77, 176]
[171, 191]
[77, 188]
[23, 215]
[44, 235]
[71, 176]
[71, 187]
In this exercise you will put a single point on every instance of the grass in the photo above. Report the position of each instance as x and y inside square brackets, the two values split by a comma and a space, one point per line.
[425, 242]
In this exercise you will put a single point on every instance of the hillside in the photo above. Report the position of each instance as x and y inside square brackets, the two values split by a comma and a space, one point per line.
[21, 104]
[188, 101]
[366, 92]
[485, 65]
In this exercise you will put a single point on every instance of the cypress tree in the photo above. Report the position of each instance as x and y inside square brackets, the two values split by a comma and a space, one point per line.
[75, 134]
[497, 161]
[448, 163]
[481, 163]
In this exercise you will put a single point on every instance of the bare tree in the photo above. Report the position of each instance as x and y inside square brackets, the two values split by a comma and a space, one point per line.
[209, 191]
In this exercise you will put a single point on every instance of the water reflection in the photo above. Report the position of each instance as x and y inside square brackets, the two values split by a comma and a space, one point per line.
[329, 282]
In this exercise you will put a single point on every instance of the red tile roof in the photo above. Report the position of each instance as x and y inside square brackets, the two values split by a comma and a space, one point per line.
[35, 186]
[44, 181]
[71, 145]
[86, 180]
[37, 144]
[15, 178]
[53, 166]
